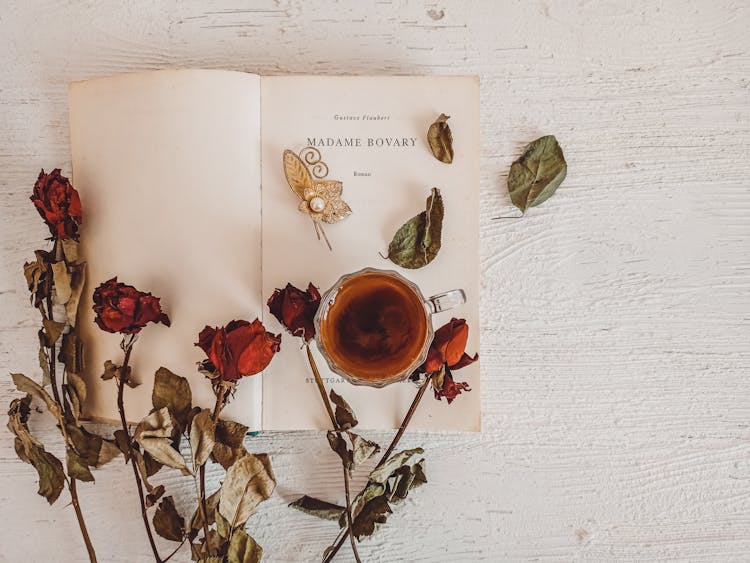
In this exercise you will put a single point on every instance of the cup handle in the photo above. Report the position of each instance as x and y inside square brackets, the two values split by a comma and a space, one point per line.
[446, 300]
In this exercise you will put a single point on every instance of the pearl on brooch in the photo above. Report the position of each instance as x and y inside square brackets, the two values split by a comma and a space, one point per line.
[317, 204]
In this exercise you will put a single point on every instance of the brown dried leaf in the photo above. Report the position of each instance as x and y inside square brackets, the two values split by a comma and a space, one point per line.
[71, 352]
[77, 281]
[440, 138]
[243, 549]
[153, 497]
[122, 441]
[112, 371]
[229, 447]
[338, 445]
[362, 449]
[345, 417]
[52, 331]
[173, 392]
[44, 365]
[418, 241]
[61, 279]
[76, 389]
[381, 473]
[30, 450]
[317, 507]
[154, 435]
[70, 250]
[373, 513]
[26, 385]
[201, 437]
[212, 502]
[249, 482]
[76, 466]
[167, 521]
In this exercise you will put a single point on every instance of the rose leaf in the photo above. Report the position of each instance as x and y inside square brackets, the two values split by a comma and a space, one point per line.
[243, 548]
[381, 473]
[173, 392]
[317, 507]
[537, 173]
[417, 242]
[373, 513]
[440, 139]
[249, 481]
[345, 416]
[201, 437]
[167, 521]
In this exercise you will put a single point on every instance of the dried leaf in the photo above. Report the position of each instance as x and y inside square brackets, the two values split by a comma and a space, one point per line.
[77, 467]
[153, 497]
[404, 479]
[71, 352]
[317, 507]
[76, 389]
[249, 482]
[201, 437]
[373, 513]
[30, 450]
[52, 331]
[44, 365]
[228, 447]
[243, 549]
[212, 502]
[34, 272]
[381, 473]
[417, 242]
[345, 417]
[440, 138]
[154, 435]
[539, 171]
[61, 279]
[338, 445]
[223, 528]
[122, 443]
[26, 385]
[70, 250]
[77, 281]
[167, 521]
[362, 449]
[173, 392]
[371, 491]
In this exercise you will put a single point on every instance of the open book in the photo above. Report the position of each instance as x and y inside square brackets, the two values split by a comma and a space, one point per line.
[184, 195]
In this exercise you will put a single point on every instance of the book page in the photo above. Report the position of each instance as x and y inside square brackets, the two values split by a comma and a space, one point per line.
[168, 167]
[371, 132]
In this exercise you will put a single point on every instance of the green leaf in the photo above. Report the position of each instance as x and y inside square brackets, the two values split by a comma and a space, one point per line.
[535, 176]
[418, 241]
[167, 521]
[345, 417]
[249, 482]
[317, 507]
[173, 392]
[373, 513]
[243, 549]
[154, 434]
[381, 473]
[30, 450]
[362, 449]
[440, 139]
[201, 437]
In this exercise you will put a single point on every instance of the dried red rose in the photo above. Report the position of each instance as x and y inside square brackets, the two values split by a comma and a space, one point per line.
[122, 308]
[451, 389]
[238, 349]
[295, 309]
[448, 347]
[58, 203]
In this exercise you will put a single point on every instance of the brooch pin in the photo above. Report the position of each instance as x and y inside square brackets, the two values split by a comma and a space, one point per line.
[321, 198]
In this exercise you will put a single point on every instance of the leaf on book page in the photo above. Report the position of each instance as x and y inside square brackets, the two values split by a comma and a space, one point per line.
[537, 173]
[417, 242]
[440, 138]
[249, 482]
[173, 392]
[345, 417]
[167, 521]
[317, 507]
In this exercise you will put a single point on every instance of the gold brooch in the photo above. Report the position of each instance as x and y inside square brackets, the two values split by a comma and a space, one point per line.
[321, 198]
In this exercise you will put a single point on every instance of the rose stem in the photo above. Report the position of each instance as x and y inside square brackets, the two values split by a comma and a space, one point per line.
[394, 442]
[329, 409]
[53, 381]
[121, 408]
[220, 396]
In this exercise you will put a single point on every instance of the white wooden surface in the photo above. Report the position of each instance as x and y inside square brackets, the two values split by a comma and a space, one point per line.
[615, 317]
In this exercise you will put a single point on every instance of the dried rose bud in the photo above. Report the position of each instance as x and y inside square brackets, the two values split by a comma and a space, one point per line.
[122, 308]
[58, 203]
[239, 349]
[295, 309]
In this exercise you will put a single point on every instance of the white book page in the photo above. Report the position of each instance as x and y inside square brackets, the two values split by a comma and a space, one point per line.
[377, 129]
[168, 167]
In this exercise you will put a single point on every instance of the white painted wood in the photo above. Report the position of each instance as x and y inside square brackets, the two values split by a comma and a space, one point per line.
[614, 319]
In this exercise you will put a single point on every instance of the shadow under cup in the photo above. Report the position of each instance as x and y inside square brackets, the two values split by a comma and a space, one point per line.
[374, 327]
